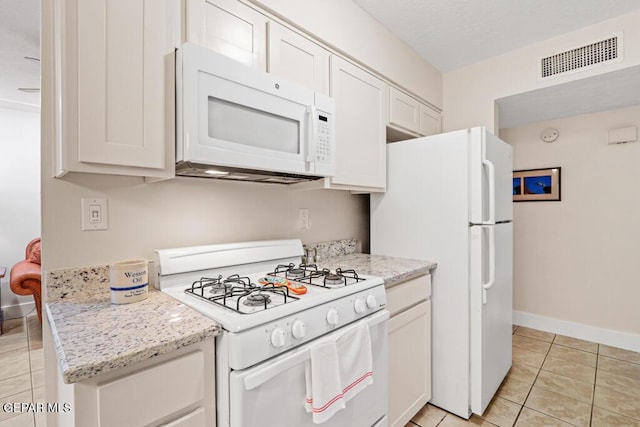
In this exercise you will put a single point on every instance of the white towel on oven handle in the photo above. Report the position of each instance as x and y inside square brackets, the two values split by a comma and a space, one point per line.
[337, 371]
[355, 359]
[324, 395]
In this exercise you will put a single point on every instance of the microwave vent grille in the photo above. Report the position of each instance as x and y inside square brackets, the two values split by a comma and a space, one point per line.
[587, 56]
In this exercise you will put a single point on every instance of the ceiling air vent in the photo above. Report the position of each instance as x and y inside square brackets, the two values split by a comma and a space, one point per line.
[598, 53]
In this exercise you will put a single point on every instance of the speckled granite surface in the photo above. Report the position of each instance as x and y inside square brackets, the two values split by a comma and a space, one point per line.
[392, 270]
[331, 249]
[78, 283]
[93, 336]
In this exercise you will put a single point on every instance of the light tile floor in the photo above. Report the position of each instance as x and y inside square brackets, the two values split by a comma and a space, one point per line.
[21, 370]
[557, 381]
[554, 381]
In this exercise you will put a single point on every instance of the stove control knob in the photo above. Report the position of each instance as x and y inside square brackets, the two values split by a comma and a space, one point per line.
[299, 329]
[371, 301]
[332, 317]
[278, 337]
[358, 306]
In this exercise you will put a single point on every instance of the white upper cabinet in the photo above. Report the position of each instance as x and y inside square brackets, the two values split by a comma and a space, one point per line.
[430, 121]
[360, 127]
[408, 115]
[404, 111]
[298, 59]
[230, 28]
[115, 109]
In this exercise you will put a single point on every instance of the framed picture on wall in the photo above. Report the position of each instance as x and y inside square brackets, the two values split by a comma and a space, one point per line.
[536, 185]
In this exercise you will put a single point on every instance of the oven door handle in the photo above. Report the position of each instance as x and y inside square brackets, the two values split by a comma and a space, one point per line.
[276, 367]
[263, 375]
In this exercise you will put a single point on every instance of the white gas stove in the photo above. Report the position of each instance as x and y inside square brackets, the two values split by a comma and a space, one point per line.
[271, 308]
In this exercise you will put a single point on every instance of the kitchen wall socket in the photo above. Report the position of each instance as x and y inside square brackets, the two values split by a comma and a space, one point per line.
[303, 219]
[95, 214]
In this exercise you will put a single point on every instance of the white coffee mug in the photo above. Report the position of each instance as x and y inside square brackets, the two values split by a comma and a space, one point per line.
[129, 281]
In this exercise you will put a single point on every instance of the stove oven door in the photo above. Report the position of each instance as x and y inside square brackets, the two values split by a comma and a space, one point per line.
[272, 393]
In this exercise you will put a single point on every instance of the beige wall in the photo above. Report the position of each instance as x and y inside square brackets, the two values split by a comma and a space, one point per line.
[144, 216]
[183, 212]
[577, 260]
[573, 259]
[20, 190]
[470, 92]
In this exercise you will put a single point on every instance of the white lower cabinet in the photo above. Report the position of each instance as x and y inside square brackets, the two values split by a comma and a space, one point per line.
[175, 389]
[409, 349]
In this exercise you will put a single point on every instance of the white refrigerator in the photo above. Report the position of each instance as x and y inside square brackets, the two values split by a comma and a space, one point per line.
[449, 200]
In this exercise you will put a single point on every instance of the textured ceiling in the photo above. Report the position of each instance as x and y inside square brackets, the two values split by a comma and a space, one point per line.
[454, 33]
[448, 33]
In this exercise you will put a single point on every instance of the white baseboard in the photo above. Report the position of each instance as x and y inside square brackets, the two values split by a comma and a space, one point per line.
[18, 310]
[625, 340]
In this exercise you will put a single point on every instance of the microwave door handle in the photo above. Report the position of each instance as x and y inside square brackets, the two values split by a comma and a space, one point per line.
[311, 134]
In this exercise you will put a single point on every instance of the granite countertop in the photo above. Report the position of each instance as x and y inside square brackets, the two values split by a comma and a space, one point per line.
[393, 270]
[93, 336]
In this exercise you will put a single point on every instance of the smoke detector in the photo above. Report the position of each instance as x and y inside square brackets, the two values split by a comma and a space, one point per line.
[549, 134]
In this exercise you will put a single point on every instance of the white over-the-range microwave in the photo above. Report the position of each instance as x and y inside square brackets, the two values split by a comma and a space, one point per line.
[239, 123]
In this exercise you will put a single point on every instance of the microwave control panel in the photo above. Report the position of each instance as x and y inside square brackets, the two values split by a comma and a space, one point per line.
[323, 143]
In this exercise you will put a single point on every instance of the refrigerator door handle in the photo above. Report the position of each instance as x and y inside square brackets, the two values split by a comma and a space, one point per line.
[492, 263]
[491, 169]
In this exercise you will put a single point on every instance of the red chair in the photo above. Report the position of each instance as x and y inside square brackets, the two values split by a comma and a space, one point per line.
[26, 275]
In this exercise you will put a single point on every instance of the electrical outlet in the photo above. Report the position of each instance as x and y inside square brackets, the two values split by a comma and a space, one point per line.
[303, 219]
[95, 214]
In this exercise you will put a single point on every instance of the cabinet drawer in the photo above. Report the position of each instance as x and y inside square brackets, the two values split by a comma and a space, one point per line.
[174, 385]
[409, 293]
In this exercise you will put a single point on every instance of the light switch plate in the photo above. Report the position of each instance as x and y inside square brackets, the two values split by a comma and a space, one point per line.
[95, 214]
[303, 219]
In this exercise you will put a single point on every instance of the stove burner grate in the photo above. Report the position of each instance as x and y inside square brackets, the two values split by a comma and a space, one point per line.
[219, 287]
[257, 299]
[236, 290]
[309, 274]
[332, 279]
[295, 273]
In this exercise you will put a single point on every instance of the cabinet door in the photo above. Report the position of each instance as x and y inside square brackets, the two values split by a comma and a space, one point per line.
[297, 58]
[430, 121]
[154, 393]
[404, 111]
[228, 27]
[360, 128]
[409, 363]
[123, 77]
